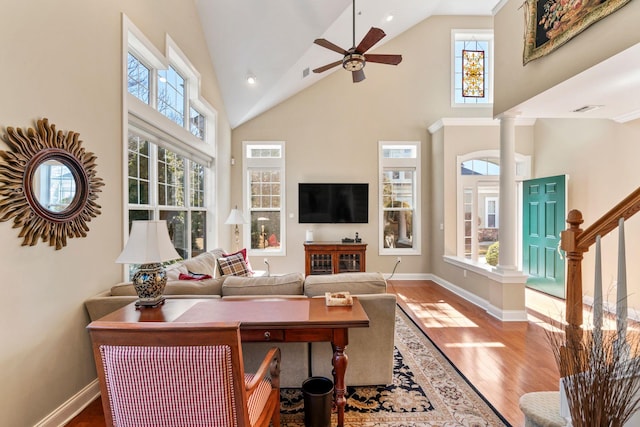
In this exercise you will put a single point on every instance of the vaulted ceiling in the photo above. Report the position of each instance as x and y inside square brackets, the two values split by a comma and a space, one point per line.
[272, 41]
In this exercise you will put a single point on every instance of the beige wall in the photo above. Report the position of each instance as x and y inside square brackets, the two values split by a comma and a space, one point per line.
[448, 143]
[332, 131]
[598, 155]
[601, 159]
[515, 83]
[62, 60]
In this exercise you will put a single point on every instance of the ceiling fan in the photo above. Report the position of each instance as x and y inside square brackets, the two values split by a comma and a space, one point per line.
[355, 58]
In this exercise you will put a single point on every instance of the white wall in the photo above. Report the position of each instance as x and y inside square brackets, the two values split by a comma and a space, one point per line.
[62, 60]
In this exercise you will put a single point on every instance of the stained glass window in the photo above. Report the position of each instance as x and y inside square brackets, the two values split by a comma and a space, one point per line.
[473, 73]
[472, 82]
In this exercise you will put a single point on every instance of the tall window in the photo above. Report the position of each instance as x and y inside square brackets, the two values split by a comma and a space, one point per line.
[472, 55]
[264, 184]
[197, 123]
[171, 95]
[169, 167]
[138, 78]
[399, 169]
[159, 182]
[478, 201]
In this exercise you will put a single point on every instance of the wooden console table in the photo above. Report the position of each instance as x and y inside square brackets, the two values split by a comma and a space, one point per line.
[271, 320]
[334, 257]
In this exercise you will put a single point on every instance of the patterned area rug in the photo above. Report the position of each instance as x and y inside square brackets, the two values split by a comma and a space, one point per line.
[426, 391]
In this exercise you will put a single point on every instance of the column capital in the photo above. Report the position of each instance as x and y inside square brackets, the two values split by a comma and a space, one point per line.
[508, 115]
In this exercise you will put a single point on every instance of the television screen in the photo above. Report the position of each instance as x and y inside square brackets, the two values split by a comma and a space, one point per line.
[333, 203]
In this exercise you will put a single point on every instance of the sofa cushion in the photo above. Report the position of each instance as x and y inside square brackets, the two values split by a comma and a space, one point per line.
[205, 263]
[355, 283]
[233, 265]
[287, 284]
[177, 287]
[175, 270]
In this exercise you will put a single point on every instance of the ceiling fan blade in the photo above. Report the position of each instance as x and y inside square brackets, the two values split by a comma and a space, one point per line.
[373, 36]
[358, 76]
[328, 66]
[384, 59]
[328, 45]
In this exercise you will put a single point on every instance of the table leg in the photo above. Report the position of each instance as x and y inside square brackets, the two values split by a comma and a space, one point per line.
[339, 363]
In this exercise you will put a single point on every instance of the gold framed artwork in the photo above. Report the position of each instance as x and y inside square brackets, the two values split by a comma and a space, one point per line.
[552, 23]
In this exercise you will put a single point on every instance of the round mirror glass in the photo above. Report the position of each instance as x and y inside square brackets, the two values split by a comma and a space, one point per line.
[54, 185]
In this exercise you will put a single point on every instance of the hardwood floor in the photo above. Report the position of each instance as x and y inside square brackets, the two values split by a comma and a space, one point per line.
[502, 360]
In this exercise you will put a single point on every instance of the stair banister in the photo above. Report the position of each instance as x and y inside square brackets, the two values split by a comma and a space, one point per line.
[575, 242]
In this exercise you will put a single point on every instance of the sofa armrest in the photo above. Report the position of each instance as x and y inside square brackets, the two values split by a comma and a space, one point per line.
[104, 303]
[370, 350]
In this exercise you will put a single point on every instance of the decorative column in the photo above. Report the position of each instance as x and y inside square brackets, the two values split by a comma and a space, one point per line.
[508, 210]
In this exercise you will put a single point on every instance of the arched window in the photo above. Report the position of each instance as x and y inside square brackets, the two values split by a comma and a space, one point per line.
[479, 201]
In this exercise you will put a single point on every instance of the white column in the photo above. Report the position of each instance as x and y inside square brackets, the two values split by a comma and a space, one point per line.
[508, 195]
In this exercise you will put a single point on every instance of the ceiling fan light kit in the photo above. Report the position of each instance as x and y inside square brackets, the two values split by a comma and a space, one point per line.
[353, 62]
[355, 58]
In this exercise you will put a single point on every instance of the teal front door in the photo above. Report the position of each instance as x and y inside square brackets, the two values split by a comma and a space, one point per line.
[543, 220]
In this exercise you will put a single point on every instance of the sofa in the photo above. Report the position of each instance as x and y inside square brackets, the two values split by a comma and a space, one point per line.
[370, 350]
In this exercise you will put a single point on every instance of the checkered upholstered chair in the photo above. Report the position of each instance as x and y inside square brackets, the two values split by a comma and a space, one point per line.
[182, 374]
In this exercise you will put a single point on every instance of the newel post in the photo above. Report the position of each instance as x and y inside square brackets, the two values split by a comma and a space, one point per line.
[574, 254]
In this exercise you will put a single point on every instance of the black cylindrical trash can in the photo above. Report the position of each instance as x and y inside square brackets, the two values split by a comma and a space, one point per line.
[318, 398]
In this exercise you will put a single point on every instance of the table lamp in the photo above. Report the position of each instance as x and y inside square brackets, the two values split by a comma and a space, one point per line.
[149, 245]
[235, 218]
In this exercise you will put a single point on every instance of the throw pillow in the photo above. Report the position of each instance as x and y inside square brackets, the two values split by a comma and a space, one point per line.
[243, 252]
[233, 265]
[193, 276]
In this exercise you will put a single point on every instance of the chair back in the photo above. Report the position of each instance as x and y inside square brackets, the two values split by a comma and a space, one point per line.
[170, 374]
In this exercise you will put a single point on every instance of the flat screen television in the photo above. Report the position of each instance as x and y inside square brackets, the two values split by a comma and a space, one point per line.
[320, 203]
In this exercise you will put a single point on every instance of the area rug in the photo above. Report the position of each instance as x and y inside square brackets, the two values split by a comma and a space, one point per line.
[427, 390]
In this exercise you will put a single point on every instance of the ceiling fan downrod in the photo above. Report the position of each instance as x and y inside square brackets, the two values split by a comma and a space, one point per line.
[354, 24]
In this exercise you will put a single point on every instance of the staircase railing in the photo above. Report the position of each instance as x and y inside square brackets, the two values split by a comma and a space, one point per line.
[575, 242]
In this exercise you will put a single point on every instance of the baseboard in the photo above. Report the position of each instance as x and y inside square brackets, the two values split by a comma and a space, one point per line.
[72, 407]
[407, 276]
[507, 315]
[610, 308]
[462, 293]
[492, 310]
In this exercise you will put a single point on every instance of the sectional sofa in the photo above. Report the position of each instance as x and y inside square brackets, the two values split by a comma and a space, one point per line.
[370, 350]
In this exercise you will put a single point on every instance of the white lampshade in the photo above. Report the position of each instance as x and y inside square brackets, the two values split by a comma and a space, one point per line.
[235, 217]
[149, 242]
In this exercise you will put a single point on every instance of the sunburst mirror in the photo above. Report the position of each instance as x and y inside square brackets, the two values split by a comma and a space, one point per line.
[48, 184]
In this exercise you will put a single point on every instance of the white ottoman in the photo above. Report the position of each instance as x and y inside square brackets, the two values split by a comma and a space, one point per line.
[542, 409]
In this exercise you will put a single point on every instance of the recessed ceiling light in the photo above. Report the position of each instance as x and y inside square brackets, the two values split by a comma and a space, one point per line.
[252, 80]
[389, 18]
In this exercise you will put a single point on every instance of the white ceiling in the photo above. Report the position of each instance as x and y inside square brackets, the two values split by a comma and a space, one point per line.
[612, 87]
[273, 41]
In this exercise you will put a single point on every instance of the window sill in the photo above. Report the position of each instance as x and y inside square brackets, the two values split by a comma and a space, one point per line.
[482, 269]
[485, 270]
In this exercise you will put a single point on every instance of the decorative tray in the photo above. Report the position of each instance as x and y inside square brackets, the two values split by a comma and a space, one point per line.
[338, 298]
